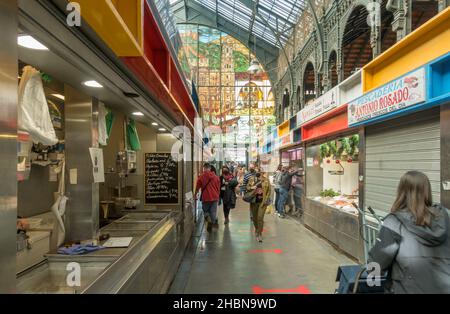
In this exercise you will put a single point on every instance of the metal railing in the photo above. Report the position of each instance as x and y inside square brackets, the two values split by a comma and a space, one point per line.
[369, 231]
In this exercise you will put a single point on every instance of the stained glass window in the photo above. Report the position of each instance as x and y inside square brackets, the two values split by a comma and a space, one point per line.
[240, 104]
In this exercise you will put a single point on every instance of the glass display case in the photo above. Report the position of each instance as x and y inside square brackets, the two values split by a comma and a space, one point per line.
[332, 172]
[293, 157]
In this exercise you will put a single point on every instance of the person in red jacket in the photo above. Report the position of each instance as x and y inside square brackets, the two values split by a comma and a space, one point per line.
[209, 183]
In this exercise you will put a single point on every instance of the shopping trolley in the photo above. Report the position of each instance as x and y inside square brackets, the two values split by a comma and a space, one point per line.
[353, 278]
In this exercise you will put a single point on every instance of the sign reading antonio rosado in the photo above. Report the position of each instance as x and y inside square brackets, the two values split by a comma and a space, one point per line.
[161, 179]
[403, 92]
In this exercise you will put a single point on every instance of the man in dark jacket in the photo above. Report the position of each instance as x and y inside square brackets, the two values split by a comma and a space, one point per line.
[418, 257]
[209, 184]
[284, 187]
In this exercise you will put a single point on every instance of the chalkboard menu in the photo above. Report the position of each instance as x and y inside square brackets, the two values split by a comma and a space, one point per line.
[161, 179]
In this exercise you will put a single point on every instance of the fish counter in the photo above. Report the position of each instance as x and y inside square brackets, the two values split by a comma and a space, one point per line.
[147, 265]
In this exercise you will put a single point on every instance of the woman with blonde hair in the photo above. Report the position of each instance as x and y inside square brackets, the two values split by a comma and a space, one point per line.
[414, 241]
[260, 186]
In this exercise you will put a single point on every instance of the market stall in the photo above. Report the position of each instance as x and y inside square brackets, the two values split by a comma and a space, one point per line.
[404, 128]
[91, 152]
[333, 171]
[332, 166]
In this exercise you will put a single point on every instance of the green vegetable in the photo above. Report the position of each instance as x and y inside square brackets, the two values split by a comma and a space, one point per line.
[329, 193]
[333, 148]
[324, 151]
[354, 144]
[344, 147]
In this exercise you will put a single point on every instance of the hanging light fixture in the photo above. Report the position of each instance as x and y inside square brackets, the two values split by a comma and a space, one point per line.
[255, 66]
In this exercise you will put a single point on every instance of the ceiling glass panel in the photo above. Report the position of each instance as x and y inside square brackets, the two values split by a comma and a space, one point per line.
[273, 20]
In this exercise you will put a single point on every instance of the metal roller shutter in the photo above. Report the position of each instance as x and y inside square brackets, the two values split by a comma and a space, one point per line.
[397, 146]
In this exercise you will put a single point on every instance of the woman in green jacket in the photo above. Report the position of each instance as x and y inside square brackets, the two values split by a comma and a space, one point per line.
[260, 185]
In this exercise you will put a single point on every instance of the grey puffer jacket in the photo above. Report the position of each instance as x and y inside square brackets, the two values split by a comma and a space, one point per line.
[419, 257]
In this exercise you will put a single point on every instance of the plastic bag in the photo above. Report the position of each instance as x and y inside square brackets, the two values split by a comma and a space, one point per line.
[109, 122]
[33, 113]
[59, 206]
[102, 128]
[132, 135]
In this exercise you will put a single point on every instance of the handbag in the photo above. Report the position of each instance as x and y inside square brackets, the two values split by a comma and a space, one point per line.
[250, 197]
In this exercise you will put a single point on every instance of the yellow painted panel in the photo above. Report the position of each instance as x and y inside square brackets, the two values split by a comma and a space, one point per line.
[131, 13]
[283, 129]
[105, 19]
[425, 44]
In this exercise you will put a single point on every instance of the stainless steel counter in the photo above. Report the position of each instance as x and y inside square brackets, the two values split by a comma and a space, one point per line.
[338, 227]
[145, 267]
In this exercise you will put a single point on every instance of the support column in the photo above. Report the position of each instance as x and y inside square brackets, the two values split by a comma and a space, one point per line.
[375, 28]
[402, 11]
[8, 144]
[339, 65]
[81, 134]
[445, 153]
[316, 82]
[443, 4]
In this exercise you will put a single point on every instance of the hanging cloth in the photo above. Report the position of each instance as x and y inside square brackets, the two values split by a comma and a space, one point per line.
[59, 207]
[33, 113]
[132, 135]
[102, 127]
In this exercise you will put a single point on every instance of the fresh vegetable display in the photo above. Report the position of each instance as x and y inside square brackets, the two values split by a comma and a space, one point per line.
[344, 148]
[354, 144]
[329, 193]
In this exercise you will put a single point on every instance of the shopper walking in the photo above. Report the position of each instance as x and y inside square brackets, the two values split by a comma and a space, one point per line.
[250, 174]
[228, 185]
[240, 178]
[209, 183]
[414, 241]
[260, 186]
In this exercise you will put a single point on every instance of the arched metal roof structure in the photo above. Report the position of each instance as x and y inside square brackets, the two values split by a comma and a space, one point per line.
[262, 24]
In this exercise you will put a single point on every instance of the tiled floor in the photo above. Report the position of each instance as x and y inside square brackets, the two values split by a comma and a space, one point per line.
[229, 260]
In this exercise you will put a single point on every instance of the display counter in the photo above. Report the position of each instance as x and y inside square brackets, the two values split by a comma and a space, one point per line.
[332, 187]
[146, 266]
[340, 228]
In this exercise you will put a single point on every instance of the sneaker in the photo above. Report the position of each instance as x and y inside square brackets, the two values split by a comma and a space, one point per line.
[282, 216]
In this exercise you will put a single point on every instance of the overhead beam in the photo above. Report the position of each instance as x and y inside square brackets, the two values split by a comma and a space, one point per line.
[224, 25]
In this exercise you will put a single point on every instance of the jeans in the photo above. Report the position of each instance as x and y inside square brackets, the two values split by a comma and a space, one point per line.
[277, 197]
[298, 197]
[210, 210]
[283, 198]
[226, 210]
